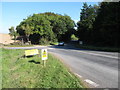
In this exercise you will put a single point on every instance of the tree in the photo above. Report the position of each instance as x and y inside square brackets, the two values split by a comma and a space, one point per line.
[49, 26]
[106, 25]
[85, 25]
[13, 32]
[28, 30]
[99, 25]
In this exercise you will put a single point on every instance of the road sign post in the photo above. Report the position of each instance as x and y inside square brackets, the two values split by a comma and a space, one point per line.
[44, 56]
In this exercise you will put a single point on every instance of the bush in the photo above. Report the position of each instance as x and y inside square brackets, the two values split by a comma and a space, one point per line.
[44, 41]
[73, 37]
[1, 44]
[16, 43]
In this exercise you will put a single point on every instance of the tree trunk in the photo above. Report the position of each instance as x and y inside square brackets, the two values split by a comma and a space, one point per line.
[28, 39]
[22, 41]
[14, 38]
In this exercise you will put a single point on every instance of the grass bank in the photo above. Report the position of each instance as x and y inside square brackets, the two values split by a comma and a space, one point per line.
[90, 47]
[0, 68]
[20, 72]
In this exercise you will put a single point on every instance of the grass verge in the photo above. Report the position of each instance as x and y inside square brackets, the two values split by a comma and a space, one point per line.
[20, 72]
[108, 49]
[0, 68]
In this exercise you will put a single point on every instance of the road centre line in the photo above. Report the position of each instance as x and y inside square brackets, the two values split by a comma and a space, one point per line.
[91, 82]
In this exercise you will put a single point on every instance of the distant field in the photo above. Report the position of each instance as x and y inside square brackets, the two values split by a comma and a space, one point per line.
[5, 38]
[20, 72]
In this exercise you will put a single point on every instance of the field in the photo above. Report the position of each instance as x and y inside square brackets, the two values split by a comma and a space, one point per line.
[5, 38]
[29, 72]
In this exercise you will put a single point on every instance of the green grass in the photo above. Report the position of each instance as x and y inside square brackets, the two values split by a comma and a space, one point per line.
[0, 68]
[89, 47]
[20, 72]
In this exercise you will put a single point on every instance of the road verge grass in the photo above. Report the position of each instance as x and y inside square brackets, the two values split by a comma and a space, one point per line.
[20, 72]
[89, 47]
[0, 68]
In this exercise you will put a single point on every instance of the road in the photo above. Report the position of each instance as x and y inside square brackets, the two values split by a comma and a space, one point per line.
[97, 69]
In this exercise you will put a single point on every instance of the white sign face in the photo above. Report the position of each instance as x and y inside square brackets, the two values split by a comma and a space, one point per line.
[44, 54]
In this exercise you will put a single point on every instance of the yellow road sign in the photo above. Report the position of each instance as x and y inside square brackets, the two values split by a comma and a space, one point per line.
[31, 52]
[44, 54]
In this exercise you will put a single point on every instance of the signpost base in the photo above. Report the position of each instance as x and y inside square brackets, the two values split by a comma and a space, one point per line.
[44, 63]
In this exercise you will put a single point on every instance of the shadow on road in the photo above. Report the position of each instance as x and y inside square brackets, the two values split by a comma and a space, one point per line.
[68, 46]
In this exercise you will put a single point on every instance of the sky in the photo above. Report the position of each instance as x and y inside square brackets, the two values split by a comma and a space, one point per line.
[13, 13]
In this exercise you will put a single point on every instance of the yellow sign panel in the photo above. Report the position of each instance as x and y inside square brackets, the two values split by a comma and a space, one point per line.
[44, 54]
[31, 52]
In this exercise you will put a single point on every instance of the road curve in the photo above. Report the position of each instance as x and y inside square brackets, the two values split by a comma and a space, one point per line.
[98, 69]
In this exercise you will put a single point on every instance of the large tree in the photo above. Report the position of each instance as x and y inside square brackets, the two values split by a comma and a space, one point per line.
[85, 25]
[50, 26]
[99, 25]
[106, 25]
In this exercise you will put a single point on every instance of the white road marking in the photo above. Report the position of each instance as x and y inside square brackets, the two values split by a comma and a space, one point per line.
[91, 82]
[88, 81]
[78, 75]
[106, 89]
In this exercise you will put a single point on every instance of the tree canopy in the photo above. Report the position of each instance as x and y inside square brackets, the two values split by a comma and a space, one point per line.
[99, 25]
[50, 26]
[85, 25]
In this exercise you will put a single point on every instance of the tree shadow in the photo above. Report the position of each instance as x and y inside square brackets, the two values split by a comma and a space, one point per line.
[70, 46]
[33, 61]
[29, 56]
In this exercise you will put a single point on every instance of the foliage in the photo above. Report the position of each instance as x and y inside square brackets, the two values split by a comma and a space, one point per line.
[73, 37]
[106, 25]
[99, 25]
[85, 25]
[49, 26]
[28, 30]
[13, 32]
[44, 41]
